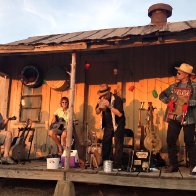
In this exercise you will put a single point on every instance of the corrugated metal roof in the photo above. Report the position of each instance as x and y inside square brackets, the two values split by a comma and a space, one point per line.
[106, 34]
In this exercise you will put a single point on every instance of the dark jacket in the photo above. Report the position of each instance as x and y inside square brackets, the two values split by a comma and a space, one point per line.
[118, 104]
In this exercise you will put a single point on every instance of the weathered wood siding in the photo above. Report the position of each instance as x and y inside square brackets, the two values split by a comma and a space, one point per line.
[4, 86]
[146, 68]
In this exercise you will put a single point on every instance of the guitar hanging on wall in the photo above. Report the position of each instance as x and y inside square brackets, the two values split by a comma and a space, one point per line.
[152, 142]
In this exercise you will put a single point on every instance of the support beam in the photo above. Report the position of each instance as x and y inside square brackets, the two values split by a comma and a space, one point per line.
[64, 188]
[71, 111]
[11, 49]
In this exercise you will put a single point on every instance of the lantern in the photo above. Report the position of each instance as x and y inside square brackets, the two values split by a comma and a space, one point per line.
[131, 88]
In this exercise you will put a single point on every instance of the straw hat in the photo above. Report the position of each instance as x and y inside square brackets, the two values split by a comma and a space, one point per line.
[186, 68]
[103, 89]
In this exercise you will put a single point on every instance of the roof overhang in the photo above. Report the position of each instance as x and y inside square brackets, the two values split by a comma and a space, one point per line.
[114, 43]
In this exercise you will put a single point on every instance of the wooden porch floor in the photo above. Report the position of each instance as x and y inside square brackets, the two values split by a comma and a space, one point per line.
[156, 179]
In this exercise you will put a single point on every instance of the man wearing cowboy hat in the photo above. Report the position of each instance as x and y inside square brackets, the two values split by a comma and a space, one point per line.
[184, 87]
[113, 122]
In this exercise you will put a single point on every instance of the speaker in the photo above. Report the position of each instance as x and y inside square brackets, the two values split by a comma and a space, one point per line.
[141, 161]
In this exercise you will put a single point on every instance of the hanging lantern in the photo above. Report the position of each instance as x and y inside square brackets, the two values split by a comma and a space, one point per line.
[154, 93]
[87, 65]
[131, 88]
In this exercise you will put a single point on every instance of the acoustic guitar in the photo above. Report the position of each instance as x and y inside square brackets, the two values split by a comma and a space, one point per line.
[18, 150]
[59, 124]
[152, 142]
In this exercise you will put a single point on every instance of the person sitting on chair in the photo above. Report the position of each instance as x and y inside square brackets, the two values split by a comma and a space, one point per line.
[58, 126]
[6, 140]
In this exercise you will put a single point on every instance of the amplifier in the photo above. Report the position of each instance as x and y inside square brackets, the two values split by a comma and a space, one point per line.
[140, 161]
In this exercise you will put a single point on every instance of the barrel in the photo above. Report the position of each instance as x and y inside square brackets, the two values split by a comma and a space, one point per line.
[58, 79]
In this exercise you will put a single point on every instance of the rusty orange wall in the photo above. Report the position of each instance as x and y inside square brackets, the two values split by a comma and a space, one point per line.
[4, 86]
[142, 92]
[147, 68]
[50, 102]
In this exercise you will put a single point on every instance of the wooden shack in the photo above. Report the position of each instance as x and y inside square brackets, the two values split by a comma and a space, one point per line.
[137, 62]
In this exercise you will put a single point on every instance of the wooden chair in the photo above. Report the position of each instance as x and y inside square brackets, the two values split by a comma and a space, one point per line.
[128, 147]
[128, 139]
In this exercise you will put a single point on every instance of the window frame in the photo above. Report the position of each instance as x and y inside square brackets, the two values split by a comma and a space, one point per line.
[23, 108]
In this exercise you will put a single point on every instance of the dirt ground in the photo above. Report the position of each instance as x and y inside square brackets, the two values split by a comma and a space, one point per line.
[20, 187]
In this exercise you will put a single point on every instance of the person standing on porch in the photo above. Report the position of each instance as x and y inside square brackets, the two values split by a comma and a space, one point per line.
[59, 125]
[6, 140]
[113, 122]
[186, 120]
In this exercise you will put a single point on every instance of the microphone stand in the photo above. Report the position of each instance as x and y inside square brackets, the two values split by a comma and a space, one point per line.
[87, 164]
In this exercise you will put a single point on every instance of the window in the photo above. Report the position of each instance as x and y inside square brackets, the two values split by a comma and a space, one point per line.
[31, 101]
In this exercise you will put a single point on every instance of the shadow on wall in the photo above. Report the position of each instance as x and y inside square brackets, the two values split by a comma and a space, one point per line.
[132, 119]
[90, 118]
[81, 130]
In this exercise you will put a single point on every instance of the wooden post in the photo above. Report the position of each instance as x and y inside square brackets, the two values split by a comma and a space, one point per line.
[71, 110]
[64, 188]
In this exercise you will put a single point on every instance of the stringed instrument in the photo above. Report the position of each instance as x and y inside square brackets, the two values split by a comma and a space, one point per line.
[177, 107]
[3, 125]
[18, 150]
[139, 139]
[58, 124]
[12, 118]
[152, 142]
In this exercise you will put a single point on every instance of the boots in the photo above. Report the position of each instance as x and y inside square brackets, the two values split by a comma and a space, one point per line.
[171, 169]
[193, 170]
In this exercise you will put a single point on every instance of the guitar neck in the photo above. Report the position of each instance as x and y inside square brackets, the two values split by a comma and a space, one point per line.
[12, 118]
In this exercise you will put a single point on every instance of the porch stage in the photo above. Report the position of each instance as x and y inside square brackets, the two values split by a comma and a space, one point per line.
[36, 170]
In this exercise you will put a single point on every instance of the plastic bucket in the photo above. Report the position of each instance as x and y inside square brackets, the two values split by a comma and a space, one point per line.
[53, 163]
[72, 162]
[107, 166]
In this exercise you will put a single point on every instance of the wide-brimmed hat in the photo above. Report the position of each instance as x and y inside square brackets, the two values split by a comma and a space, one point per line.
[186, 68]
[103, 89]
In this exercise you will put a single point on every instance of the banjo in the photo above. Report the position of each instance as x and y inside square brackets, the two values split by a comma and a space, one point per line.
[178, 105]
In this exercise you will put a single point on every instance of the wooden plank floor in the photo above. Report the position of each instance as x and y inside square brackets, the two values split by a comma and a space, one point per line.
[179, 180]
[156, 179]
[31, 170]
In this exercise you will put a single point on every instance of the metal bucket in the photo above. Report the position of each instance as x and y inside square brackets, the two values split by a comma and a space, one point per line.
[107, 166]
